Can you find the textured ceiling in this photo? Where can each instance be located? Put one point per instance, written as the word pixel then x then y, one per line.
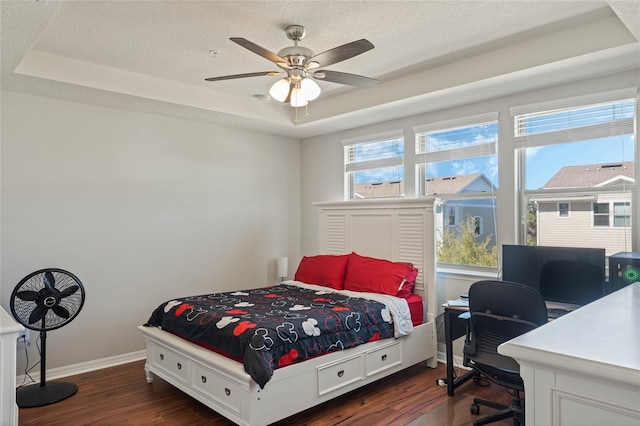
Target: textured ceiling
pixel 153 56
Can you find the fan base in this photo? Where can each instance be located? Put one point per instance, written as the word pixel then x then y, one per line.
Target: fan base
pixel 37 395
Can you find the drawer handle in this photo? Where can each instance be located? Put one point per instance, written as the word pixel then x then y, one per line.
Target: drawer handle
pixel 179 366
pixel 204 379
pixel 161 356
pixel 384 357
pixel 340 373
pixel 227 391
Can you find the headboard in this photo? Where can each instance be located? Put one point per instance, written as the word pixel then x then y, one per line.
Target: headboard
pixel 397 230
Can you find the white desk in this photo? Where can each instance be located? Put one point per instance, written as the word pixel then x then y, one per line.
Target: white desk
pixel 584 368
pixel 9 332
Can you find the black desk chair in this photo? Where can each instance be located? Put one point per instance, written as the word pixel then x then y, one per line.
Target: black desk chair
pixel 500 311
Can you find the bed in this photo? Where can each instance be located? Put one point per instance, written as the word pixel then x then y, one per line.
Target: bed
pixel 403 234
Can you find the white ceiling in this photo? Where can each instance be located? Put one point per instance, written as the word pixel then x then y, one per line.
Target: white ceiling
pixel 153 56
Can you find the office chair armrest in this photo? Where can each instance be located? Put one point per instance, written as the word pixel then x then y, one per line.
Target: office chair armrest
pixel 469 347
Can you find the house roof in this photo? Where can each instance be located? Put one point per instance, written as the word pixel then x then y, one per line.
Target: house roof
pixel 458 184
pixel 592 175
pixel 385 189
pixel 154 56
pixel 475 182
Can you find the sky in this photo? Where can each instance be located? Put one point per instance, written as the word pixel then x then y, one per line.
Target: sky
pixel 542 162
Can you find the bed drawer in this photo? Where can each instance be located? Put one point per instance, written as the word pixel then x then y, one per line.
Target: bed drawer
pixel 383 358
pixel 171 362
pixel 336 375
pixel 216 387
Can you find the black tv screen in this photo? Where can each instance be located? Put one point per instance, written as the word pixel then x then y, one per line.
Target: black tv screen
pixel 561 274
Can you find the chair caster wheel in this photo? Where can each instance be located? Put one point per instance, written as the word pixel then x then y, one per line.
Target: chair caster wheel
pixel 474 408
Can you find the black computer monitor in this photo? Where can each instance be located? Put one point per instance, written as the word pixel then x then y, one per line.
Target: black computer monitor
pixel 573 275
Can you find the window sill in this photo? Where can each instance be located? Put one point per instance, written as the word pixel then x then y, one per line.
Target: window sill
pixel 452 271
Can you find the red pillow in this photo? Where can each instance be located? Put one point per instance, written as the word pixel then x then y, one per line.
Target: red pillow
pixel 406 288
pixel 379 276
pixel 325 269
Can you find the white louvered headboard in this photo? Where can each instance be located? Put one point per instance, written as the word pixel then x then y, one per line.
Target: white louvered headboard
pixel 397 230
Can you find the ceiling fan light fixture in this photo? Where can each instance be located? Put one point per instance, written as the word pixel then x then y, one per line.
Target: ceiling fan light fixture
pixel 297 97
pixel 280 90
pixel 310 89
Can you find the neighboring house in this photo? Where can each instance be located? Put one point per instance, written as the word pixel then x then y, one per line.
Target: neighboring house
pixel 453 213
pixel 580 220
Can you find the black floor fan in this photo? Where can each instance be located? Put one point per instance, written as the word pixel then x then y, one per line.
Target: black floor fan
pixel 43 301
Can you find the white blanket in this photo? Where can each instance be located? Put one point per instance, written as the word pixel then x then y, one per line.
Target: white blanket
pixel 397 306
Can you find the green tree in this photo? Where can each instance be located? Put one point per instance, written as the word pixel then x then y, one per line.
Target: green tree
pixel 532 223
pixel 462 247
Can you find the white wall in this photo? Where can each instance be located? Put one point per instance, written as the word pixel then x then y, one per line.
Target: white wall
pixel 141 208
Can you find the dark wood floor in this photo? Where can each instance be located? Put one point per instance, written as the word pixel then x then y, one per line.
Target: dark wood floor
pixel 121 396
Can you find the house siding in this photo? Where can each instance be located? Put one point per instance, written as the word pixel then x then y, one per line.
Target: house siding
pixel 577 230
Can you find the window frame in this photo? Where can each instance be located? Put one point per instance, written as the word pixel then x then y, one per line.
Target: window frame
pixel 568 210
pixel 602 215
pixel 351 168
pixel 423 158
pixel 626 216
pixel 624 126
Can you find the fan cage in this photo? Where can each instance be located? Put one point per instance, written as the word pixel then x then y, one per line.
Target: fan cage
pixel 22 309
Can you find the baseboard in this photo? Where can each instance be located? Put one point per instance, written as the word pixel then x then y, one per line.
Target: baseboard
pixel 85 367
pixel 457 360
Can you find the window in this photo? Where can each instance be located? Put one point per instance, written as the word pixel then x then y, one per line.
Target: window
pixel 600 214
pixel 563 209
pixel 477 226
pixel 457 162
pixel 575 158
pixel 374 166
pixel 451 217
pixel 622 214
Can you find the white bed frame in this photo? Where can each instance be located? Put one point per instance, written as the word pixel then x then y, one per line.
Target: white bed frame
pixel 391 229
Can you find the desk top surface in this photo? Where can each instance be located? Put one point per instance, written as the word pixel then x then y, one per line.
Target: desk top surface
pixel 604 333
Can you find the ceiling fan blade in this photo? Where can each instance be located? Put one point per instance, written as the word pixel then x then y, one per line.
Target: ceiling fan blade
pixel 345 78
pixel 267 54
pixel 343 52
pixel 250 74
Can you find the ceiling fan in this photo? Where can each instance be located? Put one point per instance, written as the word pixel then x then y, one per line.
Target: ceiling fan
pixel 300 66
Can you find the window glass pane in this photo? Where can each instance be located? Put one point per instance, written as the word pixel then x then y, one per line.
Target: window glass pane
pixel 600 214
pixel 458 138
pixel 379 183
pixel 622 221
pixel 580 164
pixel 601 208
pixel 563 209
pixel 622 214
pixel 601 220
pixel 471 241
pixel 477 174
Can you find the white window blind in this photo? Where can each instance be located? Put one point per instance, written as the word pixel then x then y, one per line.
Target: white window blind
pixel 456 139
pixel 374 152
pixel 564 125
